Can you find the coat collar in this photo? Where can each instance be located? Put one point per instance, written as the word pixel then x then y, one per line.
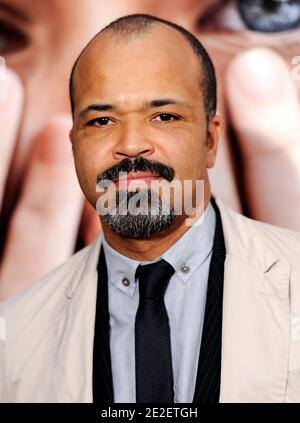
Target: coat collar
pixel 255 331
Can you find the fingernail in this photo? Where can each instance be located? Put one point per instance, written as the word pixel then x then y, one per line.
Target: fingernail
pixel 3 80
pixel 2 68
pixel 10 87
pixel 260 74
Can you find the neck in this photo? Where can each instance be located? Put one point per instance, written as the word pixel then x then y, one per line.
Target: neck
pixel 149 249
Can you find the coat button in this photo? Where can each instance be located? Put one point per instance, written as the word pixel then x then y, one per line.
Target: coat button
pixel 125 281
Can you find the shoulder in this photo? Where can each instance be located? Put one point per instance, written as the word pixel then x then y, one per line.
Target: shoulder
pixel 255 236
pixel 284 241
pixel 29 320
pixel 40 298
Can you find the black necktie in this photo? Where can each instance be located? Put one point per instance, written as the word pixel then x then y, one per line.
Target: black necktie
pixel 153 360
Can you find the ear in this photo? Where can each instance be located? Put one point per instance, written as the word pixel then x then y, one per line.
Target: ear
pixel 214 130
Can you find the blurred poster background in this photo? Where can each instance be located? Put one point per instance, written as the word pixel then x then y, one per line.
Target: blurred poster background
pixel 255 46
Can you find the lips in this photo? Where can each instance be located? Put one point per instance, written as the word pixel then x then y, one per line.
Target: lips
pixel 134 176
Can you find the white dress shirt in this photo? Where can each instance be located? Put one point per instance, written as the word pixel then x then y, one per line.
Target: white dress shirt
pixel 184 298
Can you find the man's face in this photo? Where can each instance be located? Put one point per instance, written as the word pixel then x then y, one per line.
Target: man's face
pixel 151 107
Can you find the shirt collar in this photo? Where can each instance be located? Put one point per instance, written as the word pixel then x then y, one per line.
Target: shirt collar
pixel 193 247
pixel 185 255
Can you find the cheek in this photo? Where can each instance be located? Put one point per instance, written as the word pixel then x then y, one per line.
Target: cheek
pixel 188 158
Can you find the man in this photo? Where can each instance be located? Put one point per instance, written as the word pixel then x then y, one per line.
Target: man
pixel 255 49
pixel 156 310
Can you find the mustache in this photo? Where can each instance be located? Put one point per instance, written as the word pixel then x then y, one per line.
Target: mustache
pixel 138 164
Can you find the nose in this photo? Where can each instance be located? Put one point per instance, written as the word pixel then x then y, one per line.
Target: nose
pixel 132 141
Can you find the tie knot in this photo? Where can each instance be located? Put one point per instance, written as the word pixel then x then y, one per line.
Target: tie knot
pixel 153 279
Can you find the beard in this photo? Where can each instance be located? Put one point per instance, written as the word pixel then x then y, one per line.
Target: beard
pixel 139 215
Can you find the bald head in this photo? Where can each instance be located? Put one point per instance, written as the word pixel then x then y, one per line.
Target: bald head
pixel 136 26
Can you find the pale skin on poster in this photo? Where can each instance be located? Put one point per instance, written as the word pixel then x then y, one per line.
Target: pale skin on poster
pixel 37 162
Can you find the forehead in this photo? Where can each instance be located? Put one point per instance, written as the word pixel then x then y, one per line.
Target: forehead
pixel 159 62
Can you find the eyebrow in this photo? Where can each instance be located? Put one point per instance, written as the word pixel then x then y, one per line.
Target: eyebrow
pixel 164 102
pixel 14 11
pixel 160 102
pixel 98 107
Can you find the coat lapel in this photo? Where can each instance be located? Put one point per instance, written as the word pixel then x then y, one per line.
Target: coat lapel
pixel 207 387
pixel 74 332
pixel 256 323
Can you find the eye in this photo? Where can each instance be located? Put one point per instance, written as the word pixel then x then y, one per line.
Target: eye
pixel 11 39
pixel 165 117
pixel 100 121
pixel 271 15
pixel 268 16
